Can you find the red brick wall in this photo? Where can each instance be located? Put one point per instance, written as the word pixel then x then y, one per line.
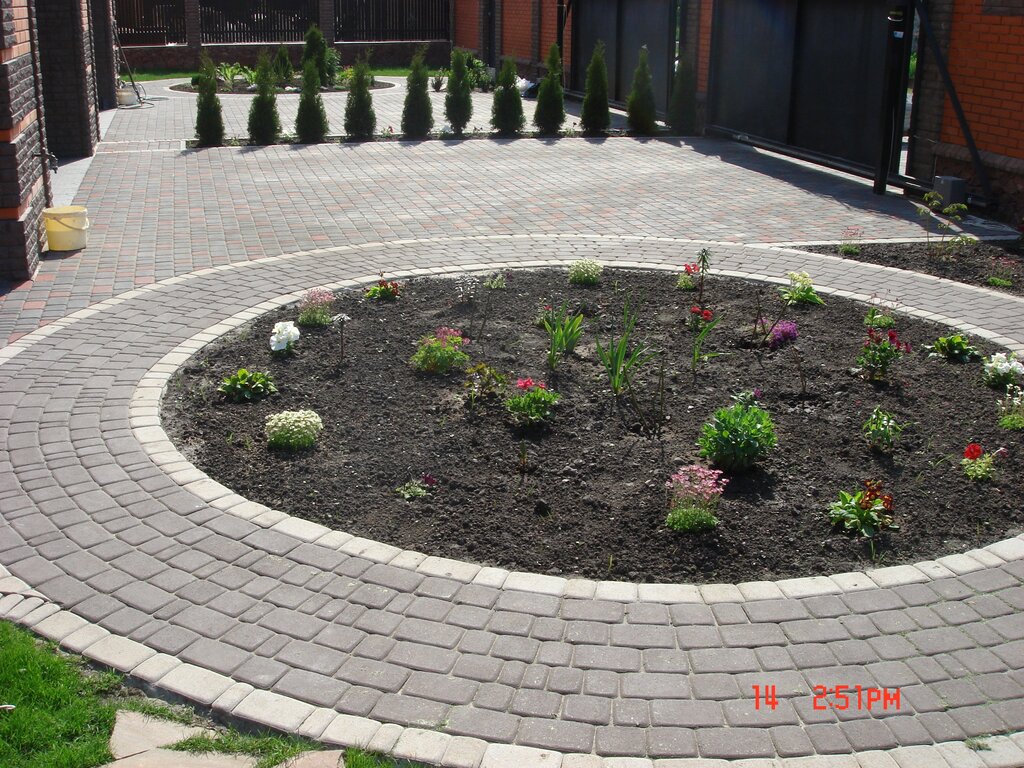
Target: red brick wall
pixel 707 9
pixel 517 29
pixel 467 24
pixel 549 32
pixel 986 60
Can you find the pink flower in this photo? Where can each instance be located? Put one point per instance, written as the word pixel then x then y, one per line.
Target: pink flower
pixel 526 383
pixel 428 480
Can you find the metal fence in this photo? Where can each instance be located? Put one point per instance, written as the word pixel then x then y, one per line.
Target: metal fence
pixel 150 22
pixel 264 21
pixel 392 20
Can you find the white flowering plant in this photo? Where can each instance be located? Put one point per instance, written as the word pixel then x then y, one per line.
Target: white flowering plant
pixel 800 290
pixel 284 336
pixel 293 430
pixel 1011 409
pixel 585 272
pixel 1000 370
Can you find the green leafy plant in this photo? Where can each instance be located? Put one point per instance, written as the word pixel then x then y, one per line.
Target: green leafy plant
pixel 879 318
pixel 953 213
pixel 978 465
pixel 550 112
pixel 437 80
pixel 640 108
pixel 737 437
pixel 417 114
pixel 955 348
pixel 209 116
pixel 882 430
pixel 283 71
pixel 694 492
pixel 999 282
pixel 228 72
pixel 507 109
pixel 595 116
pixel 441 352
pixel 416 489
pixel 311 119
pixel 879 353
pixel 866 512
pixel 564 332
pixel 360 118
pixel 246 386
pixel 533 403
pixel 585 272
pixel 496 282
pixel 458 102
pixel 618 360
pixel 482 383
pixel 685 280
pixel 1011 409
pixel 264 121
pixel 682 108
pixel 293 430
pixel 800 290
pixel 699 355
pixel 383 290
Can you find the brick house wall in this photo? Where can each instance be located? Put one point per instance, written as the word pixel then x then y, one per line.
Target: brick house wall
pixel 524 30
pixel 986 59
pixel 23 180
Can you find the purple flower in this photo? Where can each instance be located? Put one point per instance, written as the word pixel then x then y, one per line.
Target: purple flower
pixel 783 332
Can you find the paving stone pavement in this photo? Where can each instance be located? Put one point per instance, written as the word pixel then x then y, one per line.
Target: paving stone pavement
pixel 114 545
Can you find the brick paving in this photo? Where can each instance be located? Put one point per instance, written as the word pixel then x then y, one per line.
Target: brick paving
pixel 114 545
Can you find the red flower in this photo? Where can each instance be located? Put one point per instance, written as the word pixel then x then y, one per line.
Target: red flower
pixel 973 451
pixel 691 269
pixel 526 383
pixel 706 315
pixel 695 310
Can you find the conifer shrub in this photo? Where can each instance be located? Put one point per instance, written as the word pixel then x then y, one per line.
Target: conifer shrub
pixel 316 50
pixel 640 110
pixel 417 114
pixel 595 117
pixel 682 109
pixel 507 111
pixel 311 120
pixel 550 112
pixel 458 103
pixel 264 122
pixel 283 70
pixel 360 119
pixel 209 118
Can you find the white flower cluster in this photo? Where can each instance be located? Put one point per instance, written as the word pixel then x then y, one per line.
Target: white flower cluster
pixel 1001 369
pixel 585 272
pixel 293 429
pixel 285 334
pixel 1014 402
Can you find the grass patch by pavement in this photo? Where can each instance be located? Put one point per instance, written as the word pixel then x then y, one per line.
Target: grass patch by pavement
pixel 357 758
pixel 60 717
pixel 268 749
pixel 146 75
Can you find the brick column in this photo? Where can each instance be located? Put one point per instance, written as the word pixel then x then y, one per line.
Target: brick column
pixel 103 45
pixel 325 8
pixel 23 180
pixel 929 94
pixel 193 27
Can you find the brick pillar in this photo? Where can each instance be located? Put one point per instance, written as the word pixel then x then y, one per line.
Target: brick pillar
pixel 325 9
pixel 193 27
pixel 23 178
pixel 69 77
pixel 103 45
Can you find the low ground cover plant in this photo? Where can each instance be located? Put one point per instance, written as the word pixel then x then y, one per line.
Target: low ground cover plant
pixel 293 430
pixel 800 290
pixel 441 352
pixel 585 272
pixel 879 353
pixel 1011 408
pixel 879 318
pixel 483 382
pixel 956 348
pixel 246 386
pixel 383 290
pixel 533 402
pixel 867 512
pixel 623 356
pixel 564 331
pixel 694 492
pixel 1001 369
pixel 315 307
pixel 882 430
pixel 737 437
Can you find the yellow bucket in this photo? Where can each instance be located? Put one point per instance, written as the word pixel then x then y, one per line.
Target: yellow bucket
pixel 67 227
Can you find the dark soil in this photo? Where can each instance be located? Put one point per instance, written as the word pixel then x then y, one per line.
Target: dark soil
pixel 973 264
pixel 592 501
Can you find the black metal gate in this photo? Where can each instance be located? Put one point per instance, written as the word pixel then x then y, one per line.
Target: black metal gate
pixel 625 26
pixel 809 74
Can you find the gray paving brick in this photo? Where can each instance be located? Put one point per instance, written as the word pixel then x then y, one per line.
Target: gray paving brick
pixel 293 624
pixel 373 674
pixel 448 690
pixel 425 658
pixel 408 710
pixel 643 636
pixel 613 659
pixel 647 613
pixel 593 610
pixel 752 635
pixel 428 632
pixel 561 735
pixel 519 648
pixel 259 672
pixel 314 688
pixel 688 714
pixel 733 743
pixel 618 740
pixel 587 632
pixel 482 724
pixel 535 703
pixel 311 657
pixel 494 696
pixel 699 637
pixel 723 660
pixel 791 741
pixel 564 680
pixel 211 654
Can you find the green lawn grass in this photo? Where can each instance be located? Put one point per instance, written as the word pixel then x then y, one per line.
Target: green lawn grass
pixel 357 758
pixel 59 718
pixel 269 749
pixel 146 75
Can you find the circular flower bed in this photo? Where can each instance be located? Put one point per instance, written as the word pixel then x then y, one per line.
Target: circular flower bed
pixel 646 427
